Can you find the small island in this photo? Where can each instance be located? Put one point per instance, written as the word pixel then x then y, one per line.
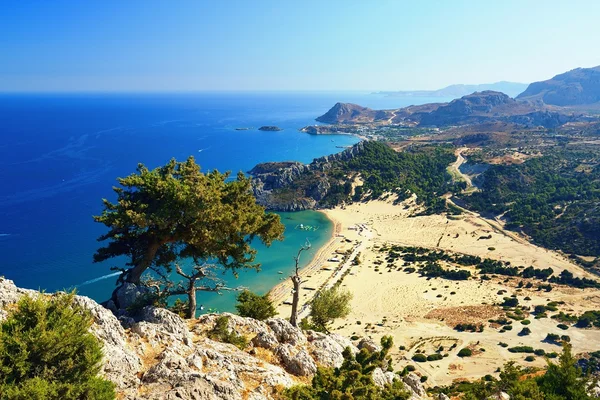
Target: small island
pixel 270 128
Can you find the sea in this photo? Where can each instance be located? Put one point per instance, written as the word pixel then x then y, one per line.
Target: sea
pixel 60 155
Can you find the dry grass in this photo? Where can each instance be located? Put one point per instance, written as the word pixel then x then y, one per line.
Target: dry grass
pixel 464 314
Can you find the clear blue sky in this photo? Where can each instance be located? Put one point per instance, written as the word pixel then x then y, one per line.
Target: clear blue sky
pixel 134 45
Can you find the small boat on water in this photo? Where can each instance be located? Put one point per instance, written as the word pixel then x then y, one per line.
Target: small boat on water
pixel 310 228
pixel 280 272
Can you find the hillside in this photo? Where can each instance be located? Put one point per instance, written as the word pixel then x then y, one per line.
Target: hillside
pixel 475 108
pixel 576 87
pixel 348 112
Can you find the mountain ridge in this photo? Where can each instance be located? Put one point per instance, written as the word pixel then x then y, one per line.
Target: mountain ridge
pixel 576 87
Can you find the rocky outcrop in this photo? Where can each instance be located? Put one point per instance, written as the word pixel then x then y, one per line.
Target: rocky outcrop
pixel 160 356
pixel 273 183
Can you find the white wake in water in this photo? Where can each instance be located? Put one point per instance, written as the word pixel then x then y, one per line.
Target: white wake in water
pixel 99 279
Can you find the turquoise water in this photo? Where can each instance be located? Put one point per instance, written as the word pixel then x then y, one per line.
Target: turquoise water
pixel 277 258
pixel 61 154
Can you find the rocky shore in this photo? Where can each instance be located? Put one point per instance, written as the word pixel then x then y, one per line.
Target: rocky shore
pixel 273 181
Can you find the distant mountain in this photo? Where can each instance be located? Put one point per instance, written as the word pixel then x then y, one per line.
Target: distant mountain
pixel 576 87
pixel 510 88
pixel 475 108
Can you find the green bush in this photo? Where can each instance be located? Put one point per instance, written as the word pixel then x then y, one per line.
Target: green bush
pixel 434 357
pixel 525 322
pixel 530 358
pixel 521 349
pixel 254 306
pixel 419 357
pixel 47 352
pixel 525 331
pixel 222 333
pixel 353 379
pixel 563 327
pixel 465 352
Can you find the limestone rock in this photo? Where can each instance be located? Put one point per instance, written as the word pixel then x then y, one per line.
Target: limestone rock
pixel 327 350
pixel 159 326
pixel 296 362
pixel 414 383
pixel 120 362
pixel 369 344
pixel 382 378
pixel 286 332
pixel 128 294
pixel 266 340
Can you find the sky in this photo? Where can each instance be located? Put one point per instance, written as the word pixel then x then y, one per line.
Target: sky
pixel 328 45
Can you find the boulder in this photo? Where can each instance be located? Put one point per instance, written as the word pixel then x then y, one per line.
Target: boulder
pixel 266 340
pixel 296 362
pixel 327 350
pixel 369 344
pixel 128 295
pixel 382 378
pixel 286 332
pixel 413 382
pixel 161 326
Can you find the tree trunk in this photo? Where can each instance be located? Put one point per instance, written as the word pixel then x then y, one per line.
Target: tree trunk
pixel 296 299
pixel 192 302
pixel 134 274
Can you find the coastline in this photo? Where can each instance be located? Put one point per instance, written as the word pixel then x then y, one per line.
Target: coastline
pixel 280 292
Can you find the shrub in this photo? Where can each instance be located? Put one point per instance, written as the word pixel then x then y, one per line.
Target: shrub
pixel 521 349
pixel 423 379
pixel 530 358
pixel 539 352
pixel 47 352
pixel 329 305
pixel 434 357
pixel 465 352
pixel 254 306
pixel 411 368
pixel 510 302
pixel 525 322
pixel 353 379
pixel 525 331
pixel 419 358
pixel 563 327
pixel 222 333
pixel 502 344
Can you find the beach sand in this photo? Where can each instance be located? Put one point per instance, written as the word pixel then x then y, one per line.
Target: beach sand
pixel 420 313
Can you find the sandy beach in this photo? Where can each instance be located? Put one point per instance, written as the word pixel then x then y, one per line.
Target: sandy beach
pixel 421 313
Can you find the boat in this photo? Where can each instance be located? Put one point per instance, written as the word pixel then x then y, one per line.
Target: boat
pixel 309 228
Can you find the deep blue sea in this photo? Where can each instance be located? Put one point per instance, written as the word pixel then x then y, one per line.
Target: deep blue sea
pixel 61 154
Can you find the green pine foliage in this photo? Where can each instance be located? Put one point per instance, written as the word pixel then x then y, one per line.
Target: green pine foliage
pixel 329 305
pixel 254 306
pixel 47 352
pixel 222 333
pixel 353 380
pixel 176 212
